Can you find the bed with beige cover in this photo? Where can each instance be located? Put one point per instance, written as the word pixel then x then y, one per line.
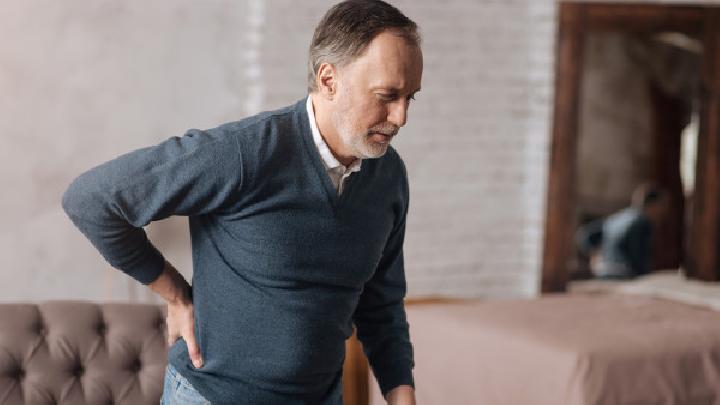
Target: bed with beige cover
pixel 576 349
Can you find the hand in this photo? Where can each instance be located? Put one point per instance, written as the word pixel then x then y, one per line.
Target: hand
pixel 180 315
pixel 181 323
pixel 401 395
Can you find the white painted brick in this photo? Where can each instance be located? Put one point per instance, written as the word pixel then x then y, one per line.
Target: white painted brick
pixel 476 143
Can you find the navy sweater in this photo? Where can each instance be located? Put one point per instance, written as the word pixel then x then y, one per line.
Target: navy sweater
pixel 282 265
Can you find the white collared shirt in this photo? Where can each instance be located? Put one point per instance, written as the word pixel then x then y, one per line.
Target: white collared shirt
pixel 337 172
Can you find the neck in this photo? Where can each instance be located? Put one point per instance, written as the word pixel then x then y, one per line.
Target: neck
pixel 323 119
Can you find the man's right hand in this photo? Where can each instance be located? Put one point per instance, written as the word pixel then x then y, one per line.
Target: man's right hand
pixel 180 323
pixel 180 315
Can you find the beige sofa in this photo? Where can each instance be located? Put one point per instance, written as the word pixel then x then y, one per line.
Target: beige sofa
pixel 65 352
pixel 75 353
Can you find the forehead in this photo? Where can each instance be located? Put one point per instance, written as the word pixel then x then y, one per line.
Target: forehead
pixel 389 61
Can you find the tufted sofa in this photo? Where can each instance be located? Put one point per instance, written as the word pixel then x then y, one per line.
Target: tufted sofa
pixel 76 353
pixel 67 352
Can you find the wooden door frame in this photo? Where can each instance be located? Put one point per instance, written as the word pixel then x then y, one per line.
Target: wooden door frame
pixel 575 21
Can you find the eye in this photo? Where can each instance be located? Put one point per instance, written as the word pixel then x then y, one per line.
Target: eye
pixel 386 97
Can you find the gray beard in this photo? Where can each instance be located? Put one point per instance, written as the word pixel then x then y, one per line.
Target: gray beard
pixel 366 149
pixel 359 144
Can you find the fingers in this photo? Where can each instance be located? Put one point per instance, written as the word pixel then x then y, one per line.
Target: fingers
pixel 180 324
pixel 172 335
pixel 171 339
pixel 193 349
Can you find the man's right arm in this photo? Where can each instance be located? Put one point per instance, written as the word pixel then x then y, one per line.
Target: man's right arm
pixel 110 204
pixel 195 174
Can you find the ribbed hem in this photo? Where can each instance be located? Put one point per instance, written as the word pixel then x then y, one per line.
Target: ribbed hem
pixel 394 378
pixel 150 268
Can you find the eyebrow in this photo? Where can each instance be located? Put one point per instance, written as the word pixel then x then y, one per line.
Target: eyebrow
pixel 394 89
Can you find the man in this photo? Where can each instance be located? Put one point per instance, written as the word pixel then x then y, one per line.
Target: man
pixel 297 220
pixel 620 246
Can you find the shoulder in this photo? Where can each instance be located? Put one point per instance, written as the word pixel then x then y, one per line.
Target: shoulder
pixel 261 123
pixel 396 160
pixel 260 120
pixel 636 217
pixel 258 135
pixel 400 169
pixel 389 168
pixel 391 164
pixel 625 216
pixel 390 171
pixel 262 140
pixel 631 221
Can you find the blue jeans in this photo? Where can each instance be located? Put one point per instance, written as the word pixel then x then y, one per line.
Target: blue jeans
pixel 178 391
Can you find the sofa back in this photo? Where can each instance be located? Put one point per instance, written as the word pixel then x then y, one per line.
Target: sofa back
pixel 73 352
pixel 78 352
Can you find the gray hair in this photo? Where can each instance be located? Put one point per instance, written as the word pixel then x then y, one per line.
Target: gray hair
pixel 347 29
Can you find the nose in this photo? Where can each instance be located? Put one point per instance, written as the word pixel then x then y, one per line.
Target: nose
pixel 397 113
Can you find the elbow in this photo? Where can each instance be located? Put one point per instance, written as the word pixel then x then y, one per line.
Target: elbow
pixel 75 199
pixel 69 199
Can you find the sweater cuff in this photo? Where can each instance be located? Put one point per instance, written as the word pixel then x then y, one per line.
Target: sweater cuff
pixel 149 268
pixel 389 379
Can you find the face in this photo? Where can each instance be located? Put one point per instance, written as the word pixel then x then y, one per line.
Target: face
pixel 657 210
pixel 373 95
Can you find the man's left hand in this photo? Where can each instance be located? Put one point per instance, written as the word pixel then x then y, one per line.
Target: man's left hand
pixel 401 395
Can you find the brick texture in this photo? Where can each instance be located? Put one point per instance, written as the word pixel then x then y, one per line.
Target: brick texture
pixel 93 79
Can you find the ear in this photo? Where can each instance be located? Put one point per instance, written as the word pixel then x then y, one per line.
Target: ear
pixel 327 79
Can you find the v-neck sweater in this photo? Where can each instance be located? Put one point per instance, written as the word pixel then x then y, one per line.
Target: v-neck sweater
pixel 283 266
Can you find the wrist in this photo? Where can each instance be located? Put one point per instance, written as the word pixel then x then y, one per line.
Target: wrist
pixel 172 287
pixel 182 296
pixel 401 395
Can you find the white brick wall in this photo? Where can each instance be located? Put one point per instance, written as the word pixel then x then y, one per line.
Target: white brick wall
pixel 475 144
pixel 85 81
pixel 476 147
pixel 93 79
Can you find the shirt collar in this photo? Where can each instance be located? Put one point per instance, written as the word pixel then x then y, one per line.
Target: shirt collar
pixel 327 157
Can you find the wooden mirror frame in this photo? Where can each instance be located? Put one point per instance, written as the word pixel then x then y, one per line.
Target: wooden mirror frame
pixel 575 21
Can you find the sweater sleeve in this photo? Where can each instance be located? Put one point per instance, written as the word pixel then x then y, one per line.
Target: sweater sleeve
pixel 189 175
pixel 380 316
pixel 637 246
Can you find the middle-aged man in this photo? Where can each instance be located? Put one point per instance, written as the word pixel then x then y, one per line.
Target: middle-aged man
pixel 620 246
pixel 297 220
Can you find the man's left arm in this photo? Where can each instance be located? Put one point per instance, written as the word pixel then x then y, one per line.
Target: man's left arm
pixel 381 322
pixel 639 247
pixel 401 395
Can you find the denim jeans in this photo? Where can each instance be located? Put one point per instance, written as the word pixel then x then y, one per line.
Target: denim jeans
pixel 178 391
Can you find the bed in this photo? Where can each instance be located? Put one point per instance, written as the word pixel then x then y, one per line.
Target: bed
pixel 574 349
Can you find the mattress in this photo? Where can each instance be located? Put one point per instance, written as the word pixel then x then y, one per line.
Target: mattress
pixel 566 349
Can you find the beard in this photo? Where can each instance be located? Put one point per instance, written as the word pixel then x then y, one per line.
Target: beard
pixel 359 140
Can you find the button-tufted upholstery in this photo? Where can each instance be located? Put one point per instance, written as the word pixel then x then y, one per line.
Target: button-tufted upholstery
pixel 75 353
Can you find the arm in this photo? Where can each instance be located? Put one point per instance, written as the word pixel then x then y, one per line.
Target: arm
pixel 639 247
pixel 589 236
pixel 110 204
pixel 380 318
